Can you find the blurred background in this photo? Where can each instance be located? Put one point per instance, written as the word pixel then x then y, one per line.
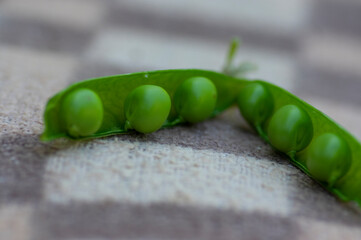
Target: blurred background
pixel 310 47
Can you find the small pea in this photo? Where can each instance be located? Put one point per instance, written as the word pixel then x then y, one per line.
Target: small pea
pixel 195 99
pixel 82 112
pixel 255 103
pixel 328 158
pixel 146 108
pixel 290 129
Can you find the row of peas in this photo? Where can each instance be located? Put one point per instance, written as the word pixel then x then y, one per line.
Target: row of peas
pixel 146 108
pixel 290 130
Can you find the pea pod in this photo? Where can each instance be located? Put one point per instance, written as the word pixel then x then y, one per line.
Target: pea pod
pixel 289 124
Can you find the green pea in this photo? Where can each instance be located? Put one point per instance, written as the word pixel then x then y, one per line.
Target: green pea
pixel 290 129
pixel 255 103
pixel 82 112
pixel 146 108
pixel 195 99
pixel 328 158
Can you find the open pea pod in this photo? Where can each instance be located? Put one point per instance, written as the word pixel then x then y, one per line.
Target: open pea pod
pixel 113 91
pixel 314 142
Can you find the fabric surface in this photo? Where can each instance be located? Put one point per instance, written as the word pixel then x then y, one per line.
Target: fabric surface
pixel 212 180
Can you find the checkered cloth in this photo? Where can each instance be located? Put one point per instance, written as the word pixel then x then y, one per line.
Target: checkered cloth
pixel 212 180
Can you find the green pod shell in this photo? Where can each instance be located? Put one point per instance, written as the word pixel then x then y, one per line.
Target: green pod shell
pixel 328 158
pixel 146 108
pixel 290 129
pixel 82 112
pixel 255 103
pixel 195 99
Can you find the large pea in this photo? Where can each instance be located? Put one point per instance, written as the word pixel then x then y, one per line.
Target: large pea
pixel 290 129
pixel 82 112
pixel 328 158
pixel 195 99
pixel 255 103
pixel 146 108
